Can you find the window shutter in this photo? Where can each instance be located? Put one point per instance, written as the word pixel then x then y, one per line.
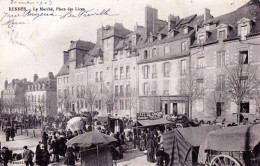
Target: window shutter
pixel 218 58
pixel 163 67
pixel 170 68
pixel 148 72
pixel 157 52
pixel 143 71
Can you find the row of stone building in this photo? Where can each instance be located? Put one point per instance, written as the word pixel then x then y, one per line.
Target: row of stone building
pixel 141 70
pixel 30 98
pixel 171 66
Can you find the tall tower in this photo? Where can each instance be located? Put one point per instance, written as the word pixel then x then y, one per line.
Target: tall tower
pixel 151 17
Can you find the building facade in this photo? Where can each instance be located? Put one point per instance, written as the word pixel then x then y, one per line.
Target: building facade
pixel 13 96
pixel 41 96
pixel 223 43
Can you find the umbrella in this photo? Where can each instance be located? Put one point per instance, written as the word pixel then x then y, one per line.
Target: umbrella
pixel 90 138
pixel 76 123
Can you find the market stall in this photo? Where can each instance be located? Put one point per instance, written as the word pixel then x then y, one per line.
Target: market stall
pixel 182 144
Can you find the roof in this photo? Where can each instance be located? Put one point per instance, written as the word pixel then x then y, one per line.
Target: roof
pixel 80 44
pixel 96 51
pixel 251 10
pixel 237 138
pixel 161 121
pixel 117 30
pixel 44 79
pixel 64 69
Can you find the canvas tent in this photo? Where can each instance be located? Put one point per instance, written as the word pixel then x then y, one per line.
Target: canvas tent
pixel 182 144
pixel 145 123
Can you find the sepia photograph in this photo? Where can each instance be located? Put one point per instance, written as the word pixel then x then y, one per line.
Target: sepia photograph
pixel 130 83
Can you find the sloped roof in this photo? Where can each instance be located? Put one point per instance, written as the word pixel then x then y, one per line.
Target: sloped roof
pixel 96 51
pixel 80 44
pixel 64 69
pixel 251 10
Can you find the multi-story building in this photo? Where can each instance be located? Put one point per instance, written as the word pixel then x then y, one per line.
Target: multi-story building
pixel 13 95
pixel 221 43
pixel 164 60
pixel 41 96
pixel 108 69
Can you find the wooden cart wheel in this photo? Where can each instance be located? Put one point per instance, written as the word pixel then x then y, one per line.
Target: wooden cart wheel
pixel 224 160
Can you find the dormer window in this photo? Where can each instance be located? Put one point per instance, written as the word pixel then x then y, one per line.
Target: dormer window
pixel 201 39
pixel 222 34
pixel 185 30
pixel 145 54
pixel 243 31
pixel 134 40
pixel 244 27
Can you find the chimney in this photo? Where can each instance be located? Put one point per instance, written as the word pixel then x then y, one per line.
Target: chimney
pixel 50 75
pixel 172 20
pixel 151 17
pixel 35 77
pixel 100 36
pixel 24 80
pixel 65 56
pixel 6 84
pixel 207 15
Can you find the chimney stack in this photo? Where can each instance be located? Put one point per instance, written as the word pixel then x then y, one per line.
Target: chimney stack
pixel 65 56
pixel 50 75
pixel 6 84
pixel 207 15
pixel 35 77
pixel 172 21
pixel 151 17
pixel 24 80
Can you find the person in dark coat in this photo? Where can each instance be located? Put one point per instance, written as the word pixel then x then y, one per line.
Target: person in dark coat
pixel 69 157
pixel 7 134
pixel 151 148
pixel 55 149
pixel 28 156
pixel 38 147
pixel 142 141
pixel 43 156
pixel 69 134
pixel 5 155
pixel 12 132
pixel 45 139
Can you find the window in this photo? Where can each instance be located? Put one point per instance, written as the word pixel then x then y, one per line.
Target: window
pixel 154 87
pixel 154 71
pixel 166 50
pixel 107 43
pixel 244 31
pixel 146 71
pixel 145 54
pixel 221 58
pixel 166 69
pixel 183 67
pixel 128 90
pixel 183 46
pixel 244 107
pixel 97 76
pixel 121 54
pixel 185 30
pixel 64 80
pixel 243 57
pixel 99 104
pixel 200 62
pixel 101 76
pixel 222 34
pixel 146 88
pixel 121 91
pixel 200 83
pixel 201 40
pixel 121 105
pixel 127 72
pixel 154 52
pixel 116 73
pixel 220 108
pixel 72 90
pixel 116 91
pixel 67 79
pixel 134 40
pixel 166 87
pixel 121 72
pixel 220 82
pixel 96 104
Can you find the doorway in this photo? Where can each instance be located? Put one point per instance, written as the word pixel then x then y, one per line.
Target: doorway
pixel 220 108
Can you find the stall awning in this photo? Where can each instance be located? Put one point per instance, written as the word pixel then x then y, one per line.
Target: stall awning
pixel 143 123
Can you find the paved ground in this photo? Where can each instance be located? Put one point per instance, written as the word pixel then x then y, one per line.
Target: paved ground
pixel 131 158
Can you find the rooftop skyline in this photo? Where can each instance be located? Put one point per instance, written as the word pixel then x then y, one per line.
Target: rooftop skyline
pixel 38 47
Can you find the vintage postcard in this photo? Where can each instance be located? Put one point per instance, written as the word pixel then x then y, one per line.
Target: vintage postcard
pixel 123 82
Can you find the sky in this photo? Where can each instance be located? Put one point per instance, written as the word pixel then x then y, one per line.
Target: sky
pixel 36 46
